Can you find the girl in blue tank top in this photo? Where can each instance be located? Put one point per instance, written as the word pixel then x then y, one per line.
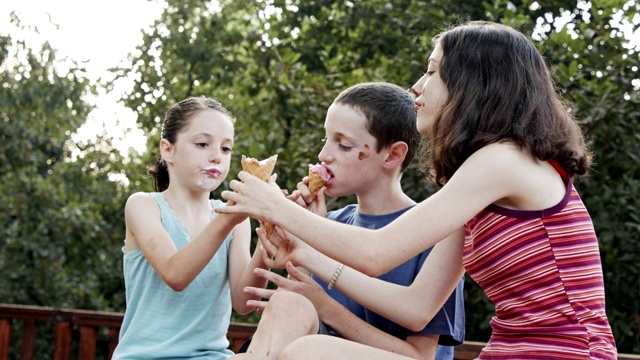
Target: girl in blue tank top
pixel 184 265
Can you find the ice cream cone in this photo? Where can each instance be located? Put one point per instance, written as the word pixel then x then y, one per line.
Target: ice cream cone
pixel 263 170
pixel 315 183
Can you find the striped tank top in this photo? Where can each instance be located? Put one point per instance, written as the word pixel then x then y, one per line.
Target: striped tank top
pixel 542 271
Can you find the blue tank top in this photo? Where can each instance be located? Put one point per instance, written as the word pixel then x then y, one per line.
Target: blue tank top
pixel 160 323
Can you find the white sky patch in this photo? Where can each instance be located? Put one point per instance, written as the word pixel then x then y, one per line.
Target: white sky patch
pixel 98 35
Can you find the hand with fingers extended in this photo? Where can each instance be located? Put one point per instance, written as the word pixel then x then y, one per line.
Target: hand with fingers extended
pixel 281 247
pixel 299 281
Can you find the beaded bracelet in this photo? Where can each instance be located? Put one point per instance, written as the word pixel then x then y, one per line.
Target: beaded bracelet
pixel 335 277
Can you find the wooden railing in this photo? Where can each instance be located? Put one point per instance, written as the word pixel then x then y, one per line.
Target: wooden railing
pixel 78 330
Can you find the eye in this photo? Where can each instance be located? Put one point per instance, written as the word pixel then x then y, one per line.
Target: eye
pixel 345 147
pixel 202 145
pixel 226 149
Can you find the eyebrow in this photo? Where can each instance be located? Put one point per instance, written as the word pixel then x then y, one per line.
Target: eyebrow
pixel 209 136
pixel 341 135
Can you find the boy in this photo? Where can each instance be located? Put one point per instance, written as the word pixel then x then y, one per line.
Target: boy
pixel 371 138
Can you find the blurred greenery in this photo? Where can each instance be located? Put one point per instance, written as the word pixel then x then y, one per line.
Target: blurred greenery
pixel 277 65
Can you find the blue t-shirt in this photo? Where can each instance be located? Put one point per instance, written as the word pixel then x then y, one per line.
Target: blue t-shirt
pixel 160 323
pixel 449 322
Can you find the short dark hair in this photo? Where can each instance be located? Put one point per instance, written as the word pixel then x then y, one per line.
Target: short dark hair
pixel 390 114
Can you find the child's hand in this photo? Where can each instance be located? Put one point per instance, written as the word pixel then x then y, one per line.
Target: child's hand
pixel 252 197
pixel 303 197
pixel 298 281
pixel 233 218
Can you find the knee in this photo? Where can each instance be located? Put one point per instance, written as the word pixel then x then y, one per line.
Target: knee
pixel 290 302
pixel 302 347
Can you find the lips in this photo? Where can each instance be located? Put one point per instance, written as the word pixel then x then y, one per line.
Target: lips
pixel 214 172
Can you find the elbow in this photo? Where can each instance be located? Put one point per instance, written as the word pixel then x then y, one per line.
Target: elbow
pixel 242 310
pixel 175 284
pixel 239 304
pixel 418 321
pixel 374 266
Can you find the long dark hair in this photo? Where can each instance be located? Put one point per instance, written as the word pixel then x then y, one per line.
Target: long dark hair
pixel 500 89
pixel 175 120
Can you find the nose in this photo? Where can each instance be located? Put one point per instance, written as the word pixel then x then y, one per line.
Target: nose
pixel 324 155
pixel 416 89
pixel 215 155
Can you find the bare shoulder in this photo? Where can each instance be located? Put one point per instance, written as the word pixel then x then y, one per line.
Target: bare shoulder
pixel 502 159
pixel 139 204
pixel 526 183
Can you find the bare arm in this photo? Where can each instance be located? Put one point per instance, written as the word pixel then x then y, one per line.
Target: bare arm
pixel 426 292
pixel 343 321
pixel 177 268
pixel 241 265
pixel 481 180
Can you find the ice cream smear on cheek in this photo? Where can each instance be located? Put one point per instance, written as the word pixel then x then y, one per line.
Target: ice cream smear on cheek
pixel 213 172
pixel 364 154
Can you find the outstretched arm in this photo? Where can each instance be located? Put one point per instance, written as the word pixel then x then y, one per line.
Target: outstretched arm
pixel 487 176
pixel 241 265
pixel 427 291
pixel 177 268
pixel 343 321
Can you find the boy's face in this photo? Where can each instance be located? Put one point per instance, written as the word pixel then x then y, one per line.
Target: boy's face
pixel 349 152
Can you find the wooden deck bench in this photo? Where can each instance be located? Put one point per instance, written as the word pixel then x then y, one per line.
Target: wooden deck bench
pixel 79 329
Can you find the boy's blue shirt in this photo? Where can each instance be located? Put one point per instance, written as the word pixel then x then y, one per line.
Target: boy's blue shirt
pixel 449 322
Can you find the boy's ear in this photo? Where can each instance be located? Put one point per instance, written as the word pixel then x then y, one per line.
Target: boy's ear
pixel 396 154
pixel 166 150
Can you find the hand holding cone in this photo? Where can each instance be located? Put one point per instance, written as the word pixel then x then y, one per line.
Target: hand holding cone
pixel 318 175
pixel 263 170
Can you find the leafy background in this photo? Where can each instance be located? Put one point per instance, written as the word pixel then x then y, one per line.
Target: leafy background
pixel 277 64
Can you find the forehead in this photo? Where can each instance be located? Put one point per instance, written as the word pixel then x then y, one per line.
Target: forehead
pixel 346 120
pixel 436 55
pixel 210 121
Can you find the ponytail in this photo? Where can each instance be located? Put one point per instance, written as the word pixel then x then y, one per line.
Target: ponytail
pixel 160 175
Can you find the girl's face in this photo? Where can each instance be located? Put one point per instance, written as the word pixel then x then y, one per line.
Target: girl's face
pixel 431 93
pixel 201 155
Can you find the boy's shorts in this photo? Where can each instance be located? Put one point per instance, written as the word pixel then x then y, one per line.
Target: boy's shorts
pixel 322 330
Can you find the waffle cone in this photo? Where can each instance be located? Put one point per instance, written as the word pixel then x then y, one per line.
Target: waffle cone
pixel 263 170
pixel 315 183
pixel 269 228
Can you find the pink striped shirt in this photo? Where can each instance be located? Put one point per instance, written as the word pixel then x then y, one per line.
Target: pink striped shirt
pixel 542 271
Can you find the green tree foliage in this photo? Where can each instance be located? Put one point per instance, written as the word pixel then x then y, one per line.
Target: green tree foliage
pixel 57 236
pixel 277 64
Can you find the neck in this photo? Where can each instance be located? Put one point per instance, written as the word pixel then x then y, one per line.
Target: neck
pixel 385 199
pixel 186 202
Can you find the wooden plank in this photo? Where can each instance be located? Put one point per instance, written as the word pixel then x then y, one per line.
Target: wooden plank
pixel 114 337
pixel 62 347
pixel 28 342
pixel 87 346
pixel 469 350
pixel 88 340
pixel 5 338
pixel 628 357
pixel 238 333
